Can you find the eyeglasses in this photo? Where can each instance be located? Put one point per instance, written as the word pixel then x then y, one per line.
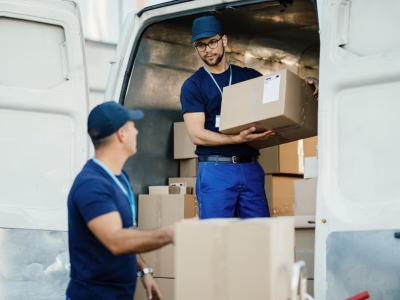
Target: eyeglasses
pixel 212 44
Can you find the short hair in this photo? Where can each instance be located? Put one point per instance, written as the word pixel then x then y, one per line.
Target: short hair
pixel 103 142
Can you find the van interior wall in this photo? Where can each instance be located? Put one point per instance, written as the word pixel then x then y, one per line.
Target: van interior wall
pixel 260 36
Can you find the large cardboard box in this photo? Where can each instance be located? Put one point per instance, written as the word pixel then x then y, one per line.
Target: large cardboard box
pixel 305 197
pixel 189 167
pixel 166 286
pixel 280 195
pixel 305 248
pixel 282 102
pixel 156 211
pixel 288 158
pixel 188 181
pixel 212 255
pixel 183 146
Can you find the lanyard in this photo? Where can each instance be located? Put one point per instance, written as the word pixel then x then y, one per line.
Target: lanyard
pixel 129 194
pixel 212 77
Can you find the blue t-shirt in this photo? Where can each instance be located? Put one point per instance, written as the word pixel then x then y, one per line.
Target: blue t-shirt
pixel 200 94
pixel 95 272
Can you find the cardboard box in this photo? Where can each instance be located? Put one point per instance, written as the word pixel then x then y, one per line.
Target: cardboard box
pixel 280 195
pixel 156 190
pixel 310 287
pixel 305 248
pixel 156 211
pixel 187 181
pixel 305 197
pixel 189 167
pixel 311 167
pixel 288 158
pixel 183 146
pixel 282 102
pixel 166 286
pixel 182 190
pixel 211 255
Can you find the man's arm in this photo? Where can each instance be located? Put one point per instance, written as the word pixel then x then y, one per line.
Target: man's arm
pixel 108 229
pixel 148 281
pixel 200 136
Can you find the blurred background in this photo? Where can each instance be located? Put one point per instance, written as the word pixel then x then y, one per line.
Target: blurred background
pixel 102 23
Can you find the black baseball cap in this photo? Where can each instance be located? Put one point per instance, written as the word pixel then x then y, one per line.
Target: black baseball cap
pixel 205 27
pixel 106 118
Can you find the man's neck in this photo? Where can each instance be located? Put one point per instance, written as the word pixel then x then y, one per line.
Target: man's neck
pixel 218 69
pixel 114 162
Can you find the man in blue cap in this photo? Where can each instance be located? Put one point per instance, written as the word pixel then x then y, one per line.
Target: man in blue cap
pixel 230 181
pixel 103 244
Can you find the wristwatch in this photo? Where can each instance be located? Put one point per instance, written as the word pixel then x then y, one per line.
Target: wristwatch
pixel 147 270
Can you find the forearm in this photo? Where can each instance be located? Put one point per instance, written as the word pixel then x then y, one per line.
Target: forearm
pixel 127 241
pixel 140 261
pixel 206 137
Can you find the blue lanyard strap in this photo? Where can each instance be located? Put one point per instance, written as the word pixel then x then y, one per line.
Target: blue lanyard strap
pixel 212 77
pixel 129 194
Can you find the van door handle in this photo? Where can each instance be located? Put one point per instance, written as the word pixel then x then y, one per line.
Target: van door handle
pixel 64 58
pixel 343 23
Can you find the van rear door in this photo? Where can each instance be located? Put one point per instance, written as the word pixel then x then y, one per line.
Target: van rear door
pixel 358 202
pixel 43 111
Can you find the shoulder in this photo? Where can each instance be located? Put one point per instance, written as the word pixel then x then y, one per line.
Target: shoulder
pixel 194 80
pixel 90 180
pixel 248 73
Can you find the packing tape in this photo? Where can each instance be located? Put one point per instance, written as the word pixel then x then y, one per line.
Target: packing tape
pixel 219 261
pixel 159 217
pixel 283 210
pixel 300 155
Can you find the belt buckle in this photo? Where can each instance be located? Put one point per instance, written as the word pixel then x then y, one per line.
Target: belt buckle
pixel 234 159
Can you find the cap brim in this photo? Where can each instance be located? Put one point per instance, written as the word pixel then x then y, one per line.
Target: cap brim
pixel 203 35
pixel 135 115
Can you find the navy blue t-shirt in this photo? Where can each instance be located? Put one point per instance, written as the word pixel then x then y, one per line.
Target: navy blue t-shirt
pixel 95 272
pixel 200 94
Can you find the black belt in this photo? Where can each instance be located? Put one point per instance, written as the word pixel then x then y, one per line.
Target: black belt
pixel 231 159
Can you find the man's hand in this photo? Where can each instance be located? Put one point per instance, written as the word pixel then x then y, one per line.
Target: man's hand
pixel 151 287
pixel 248 135
pixel 315 83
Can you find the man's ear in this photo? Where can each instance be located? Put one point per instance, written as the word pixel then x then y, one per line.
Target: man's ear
pixel 225 40
pixel 121 134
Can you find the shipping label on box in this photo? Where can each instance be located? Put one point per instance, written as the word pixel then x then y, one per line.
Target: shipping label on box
pixel 311 167
pixel 282 102
pixel 183 145
pixel 213 249
pixel 156 211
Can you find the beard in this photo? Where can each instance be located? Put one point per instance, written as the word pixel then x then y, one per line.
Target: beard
pixel 217 61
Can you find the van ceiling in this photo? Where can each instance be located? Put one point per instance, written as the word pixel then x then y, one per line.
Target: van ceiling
pixel 261 36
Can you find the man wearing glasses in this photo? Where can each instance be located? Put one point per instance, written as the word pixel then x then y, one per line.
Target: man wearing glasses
pixel 230 181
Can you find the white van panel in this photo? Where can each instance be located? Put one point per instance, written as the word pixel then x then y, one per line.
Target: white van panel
pixel 35 55
pixel 358 190
pixel 43 111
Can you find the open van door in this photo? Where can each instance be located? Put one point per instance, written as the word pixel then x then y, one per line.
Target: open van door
pixel 358 198
pixel 43 142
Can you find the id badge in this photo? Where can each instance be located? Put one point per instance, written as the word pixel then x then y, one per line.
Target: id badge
pixel 217 118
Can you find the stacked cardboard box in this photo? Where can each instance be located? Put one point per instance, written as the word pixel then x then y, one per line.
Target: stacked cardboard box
pixel 184 152
pixel 212 257
pixel 164 205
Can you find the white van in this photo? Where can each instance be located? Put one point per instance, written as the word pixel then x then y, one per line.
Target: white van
pixel 353 46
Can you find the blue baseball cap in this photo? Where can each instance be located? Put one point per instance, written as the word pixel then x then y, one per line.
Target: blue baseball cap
pixel 106 118
pixel 205 27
